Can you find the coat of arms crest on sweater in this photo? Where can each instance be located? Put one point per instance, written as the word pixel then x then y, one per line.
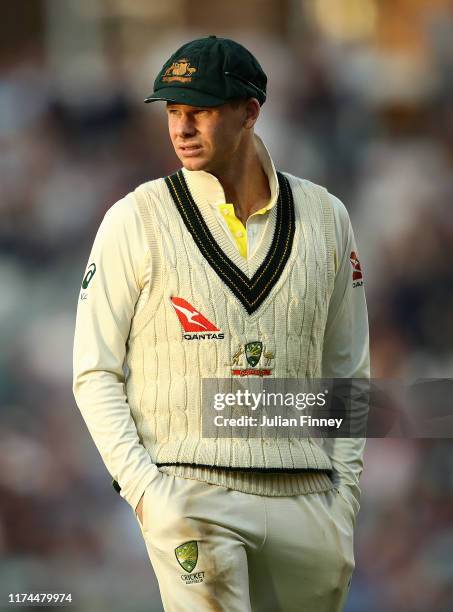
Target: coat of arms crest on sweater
pixel 253 353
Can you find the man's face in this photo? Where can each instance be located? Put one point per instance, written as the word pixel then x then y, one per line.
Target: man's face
pixel 205 138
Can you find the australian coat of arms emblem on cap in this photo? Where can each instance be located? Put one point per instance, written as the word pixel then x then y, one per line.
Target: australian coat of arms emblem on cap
pixel 180 70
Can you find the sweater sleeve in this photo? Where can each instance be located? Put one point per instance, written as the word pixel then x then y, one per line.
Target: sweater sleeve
pixel 107 299
pixel 346 344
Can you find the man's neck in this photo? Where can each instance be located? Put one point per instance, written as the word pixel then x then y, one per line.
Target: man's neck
pixel 245 182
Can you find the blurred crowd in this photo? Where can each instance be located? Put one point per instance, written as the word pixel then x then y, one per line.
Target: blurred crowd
pixel 355 104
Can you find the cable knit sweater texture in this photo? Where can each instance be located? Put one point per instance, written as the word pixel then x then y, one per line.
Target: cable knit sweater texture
pixel 137 380
pixel 164 384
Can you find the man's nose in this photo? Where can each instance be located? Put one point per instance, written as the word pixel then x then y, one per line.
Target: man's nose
pixel 185 127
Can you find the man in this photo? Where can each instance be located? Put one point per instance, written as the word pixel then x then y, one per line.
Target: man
pixel 187 274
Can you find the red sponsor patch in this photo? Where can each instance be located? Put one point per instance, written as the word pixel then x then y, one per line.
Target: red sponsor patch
pixel 252 372
pixel 190 318
pixel 356 268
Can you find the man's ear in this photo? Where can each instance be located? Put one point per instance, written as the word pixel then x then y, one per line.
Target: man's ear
pixel 252 111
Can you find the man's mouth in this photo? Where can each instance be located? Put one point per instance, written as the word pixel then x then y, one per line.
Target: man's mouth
pixel 190 150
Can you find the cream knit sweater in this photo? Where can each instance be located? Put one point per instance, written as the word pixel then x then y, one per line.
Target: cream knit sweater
pixel 159 379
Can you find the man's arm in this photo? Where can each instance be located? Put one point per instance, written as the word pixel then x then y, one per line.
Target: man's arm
pixel 346 345
pixel 107 301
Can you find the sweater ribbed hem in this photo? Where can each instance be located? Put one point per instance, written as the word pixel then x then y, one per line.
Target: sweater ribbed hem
pixel 273 484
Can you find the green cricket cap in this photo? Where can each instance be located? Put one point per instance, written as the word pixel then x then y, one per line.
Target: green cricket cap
pixel 208 72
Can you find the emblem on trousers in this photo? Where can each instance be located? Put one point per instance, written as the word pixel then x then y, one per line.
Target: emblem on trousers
pixel 187 555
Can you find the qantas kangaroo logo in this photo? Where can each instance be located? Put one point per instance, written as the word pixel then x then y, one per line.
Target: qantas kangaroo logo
pixel 193 322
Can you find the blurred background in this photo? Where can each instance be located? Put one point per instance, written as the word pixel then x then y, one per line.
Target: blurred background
pixel 361 101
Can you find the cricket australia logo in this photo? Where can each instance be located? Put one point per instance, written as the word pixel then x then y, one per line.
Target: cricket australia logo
pixel 253 353
pixel 187 557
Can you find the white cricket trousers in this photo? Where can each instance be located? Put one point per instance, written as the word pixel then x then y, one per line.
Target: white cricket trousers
pixel 215 549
